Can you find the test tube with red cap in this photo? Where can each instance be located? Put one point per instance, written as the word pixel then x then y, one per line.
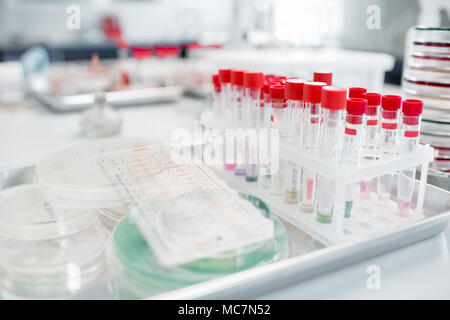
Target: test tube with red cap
pixel 354 117
pixel 371 125
pixel 356 92
pixel 237 99
pixel 351 144
pixel 266 121
pixel 294 97
pixel 278 119
pixel 237 92
pixel 267 100
pixel 390 106
pixel 370 136
pixel 333 103
pixel 310 141
pixel 409 139
pixel 215 96
pixel 253 83
pixel 279 108
pixel 323 76
pixel 225 92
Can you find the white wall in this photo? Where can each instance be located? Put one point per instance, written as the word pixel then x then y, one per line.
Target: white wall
pixel 142 21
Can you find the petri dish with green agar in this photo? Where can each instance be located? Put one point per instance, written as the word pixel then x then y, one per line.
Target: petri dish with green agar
pixel 138 274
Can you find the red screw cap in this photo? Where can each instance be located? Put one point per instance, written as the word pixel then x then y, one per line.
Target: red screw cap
pixel 237 77
pixel 326 77
pixel 268 84
pixel 356 106
pixel 277 91
pixel 391 102
pixel 225 75
pixel 373 99
pixel 253 80
pixel 312 91
pixel 294 89
pixel 356 92
pixel 412 107
pixel 333 97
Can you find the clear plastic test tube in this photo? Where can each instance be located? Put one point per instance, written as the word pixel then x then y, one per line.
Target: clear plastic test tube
pixel 279 116
pixel 311 130
pixel 253 82
pixel 294 96
pixel 279 108
pixel 351 144
pixel 409 139
pixel 333 104
pixel 390 105
pixel 237 118
pixel 237 93
pixel 266 122
pixel 225 92
pixel 370 137
pixel 215 96
pixel 267 116
pixel 295 105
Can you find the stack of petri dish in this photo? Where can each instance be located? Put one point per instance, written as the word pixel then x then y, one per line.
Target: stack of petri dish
pixel 52 240
pixel 70 235
pixel 137 273
pixel 426 76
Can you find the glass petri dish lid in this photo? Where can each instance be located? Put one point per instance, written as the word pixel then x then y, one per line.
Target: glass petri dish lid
pixel 25 215
pixel 427 88
pixel 72 177
pixel 432 34
pixel 437 129
pixel 427 76
pixel 52 268
pixel 436 62
pixel 139 275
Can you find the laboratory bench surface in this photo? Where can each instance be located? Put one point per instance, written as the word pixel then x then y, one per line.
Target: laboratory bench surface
pixel 418 271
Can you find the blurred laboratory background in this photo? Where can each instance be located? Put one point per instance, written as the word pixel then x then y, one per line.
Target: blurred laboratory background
pixel 72 70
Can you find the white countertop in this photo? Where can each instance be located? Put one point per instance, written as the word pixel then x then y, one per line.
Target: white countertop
pixel 418 271
pixel 421 270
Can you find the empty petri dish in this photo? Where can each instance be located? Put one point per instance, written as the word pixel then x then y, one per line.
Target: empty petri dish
pixel 72 176
pixel 25 215
pixel 138 274
pixel 52 268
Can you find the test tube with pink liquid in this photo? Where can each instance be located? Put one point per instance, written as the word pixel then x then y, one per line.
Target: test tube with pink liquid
pixel 409 139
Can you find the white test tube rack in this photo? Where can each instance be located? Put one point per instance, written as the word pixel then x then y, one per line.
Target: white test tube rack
pixel 369 217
